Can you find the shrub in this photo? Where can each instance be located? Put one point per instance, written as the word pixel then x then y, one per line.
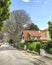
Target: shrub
pixel 34 46
pixel 30 47
pixel 43 46
pixel 38 47
pixel 31 41
pixel 47 47
pixel 22 43
pixel 50 50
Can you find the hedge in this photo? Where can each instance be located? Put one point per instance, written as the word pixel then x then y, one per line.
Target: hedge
pixel 31 45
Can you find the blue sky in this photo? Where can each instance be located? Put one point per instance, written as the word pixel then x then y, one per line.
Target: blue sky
pixel 40 11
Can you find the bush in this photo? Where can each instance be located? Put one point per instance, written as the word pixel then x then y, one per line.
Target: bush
pixel 22 43
pixel 34 46
pixel 38 46
pixel 50 50
pixel 30 47
pixel 43 46
pixel 47 47
pixel 31 41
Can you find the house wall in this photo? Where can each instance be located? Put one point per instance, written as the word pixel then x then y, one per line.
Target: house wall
pixel 35 37
pixel 45 35
pixel 26 36
pixel 48 36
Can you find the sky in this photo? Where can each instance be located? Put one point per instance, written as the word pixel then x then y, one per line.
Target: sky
pixel 40 11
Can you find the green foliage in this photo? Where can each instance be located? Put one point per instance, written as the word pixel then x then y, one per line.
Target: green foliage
pixel 34 46
pixel 50 28
pixel 31 45
pixel 30 41
pixel 22 43
pixel 43 46
pixel 47 47
pixel 38 46
pixel 33 27
pixel 50 50
pixel 10 41
pixel 4 11
pixel 50 42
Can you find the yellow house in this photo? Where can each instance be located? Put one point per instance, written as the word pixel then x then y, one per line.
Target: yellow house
pixel 45 35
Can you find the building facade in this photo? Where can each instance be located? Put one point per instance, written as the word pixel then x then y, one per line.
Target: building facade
pixel 36 35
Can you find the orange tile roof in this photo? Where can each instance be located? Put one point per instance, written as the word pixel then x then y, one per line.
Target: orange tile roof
pixel 32 33
pixel 28 33
pixel 35 33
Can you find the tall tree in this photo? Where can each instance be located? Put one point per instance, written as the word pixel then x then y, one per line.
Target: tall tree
pixel 33 27
pixel 20 16
pixel 50 28
pixel 14 30
pixel 4 11
pixel 14 26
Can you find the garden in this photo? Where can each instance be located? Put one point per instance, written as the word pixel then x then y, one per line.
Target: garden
pixel 47 47
pixel 36 45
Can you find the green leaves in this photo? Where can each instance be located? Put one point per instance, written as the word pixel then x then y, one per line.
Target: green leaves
pixel 50 28
pixel 4 11
pixel 33 27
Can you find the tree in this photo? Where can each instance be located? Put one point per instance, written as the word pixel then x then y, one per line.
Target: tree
pixel 50 28
pixel 33 27
pixel 4 11
pixel 14 30
pixel 14 26
pixel 20 16
pixel 1 35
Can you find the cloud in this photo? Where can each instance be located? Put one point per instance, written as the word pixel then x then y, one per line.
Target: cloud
pixel 26 0
pixel 37 1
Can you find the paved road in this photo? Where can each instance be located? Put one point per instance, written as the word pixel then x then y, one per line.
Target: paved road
pixel 39 59
pixel 11 56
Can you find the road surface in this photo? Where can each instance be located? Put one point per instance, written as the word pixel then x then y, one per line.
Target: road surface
pixel 12 56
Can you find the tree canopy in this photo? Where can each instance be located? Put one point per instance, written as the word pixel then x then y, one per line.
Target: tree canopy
pixel 20 16
pixel 33 27
pixel 14 26
pixel 50 28
pixel 4 11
